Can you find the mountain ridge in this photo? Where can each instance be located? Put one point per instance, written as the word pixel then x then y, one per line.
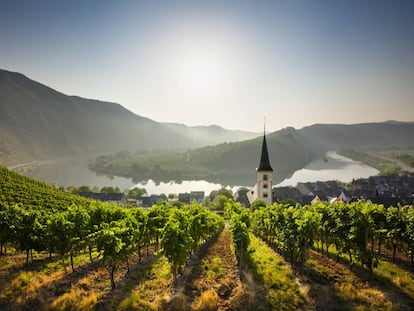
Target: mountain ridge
pixel 234 163
pixel 38 122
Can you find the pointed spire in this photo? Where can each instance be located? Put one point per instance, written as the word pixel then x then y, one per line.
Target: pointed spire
pixel 264 164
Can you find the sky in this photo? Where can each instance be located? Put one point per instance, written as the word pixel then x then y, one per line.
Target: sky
pixel 225 62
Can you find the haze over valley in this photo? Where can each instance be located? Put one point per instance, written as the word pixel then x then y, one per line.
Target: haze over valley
pixel 41 124
pixel 206 155
pixel 138 80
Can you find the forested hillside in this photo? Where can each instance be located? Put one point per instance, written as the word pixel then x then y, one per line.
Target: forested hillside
pixel 234 163
pixel 39 122
pixel 225 163
pixel 364 135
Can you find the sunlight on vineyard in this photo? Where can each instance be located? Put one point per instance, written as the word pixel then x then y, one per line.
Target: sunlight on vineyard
pixel 61 251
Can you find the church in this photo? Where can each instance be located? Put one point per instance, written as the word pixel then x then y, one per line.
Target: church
pixel 262 190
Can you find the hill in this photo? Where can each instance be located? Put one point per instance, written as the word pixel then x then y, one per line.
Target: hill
pixel 227 163
pixel 37 122
pixel 209 135
pixel 364 135
pixel 234 163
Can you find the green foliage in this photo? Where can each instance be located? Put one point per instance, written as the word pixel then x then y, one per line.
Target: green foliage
pixel 239 218
pixel 226 161
pixel 220 202
pixel 258 204
pixel 185 230
pixel 110 189
pixel 83 189
pixel 278 279
pixel 373 158
pixel 34 216
pixel 136 193
pixel 351 227
pixel 292 229
pixel 177 244
pixel 225 192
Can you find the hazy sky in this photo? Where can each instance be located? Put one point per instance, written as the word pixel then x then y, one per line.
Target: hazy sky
pixel 222 62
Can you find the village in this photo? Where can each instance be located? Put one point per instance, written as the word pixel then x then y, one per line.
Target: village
pixel 385 190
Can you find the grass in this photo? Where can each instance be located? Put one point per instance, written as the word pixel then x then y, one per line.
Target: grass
pixel 208 301
pixel 43 285
pixel 336 287
pixel 212 268
pixel 76 299
pixel 269 268
pixel 148 294
pixel 178 302
pixel 36 281
pixel 385 272
pixel 326 284
pixel 388 287
pixel 400 278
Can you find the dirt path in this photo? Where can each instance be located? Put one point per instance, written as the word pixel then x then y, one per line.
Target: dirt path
pixel 211 280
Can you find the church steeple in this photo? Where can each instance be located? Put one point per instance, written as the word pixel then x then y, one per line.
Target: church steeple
pixel 264 164
pixel 262 190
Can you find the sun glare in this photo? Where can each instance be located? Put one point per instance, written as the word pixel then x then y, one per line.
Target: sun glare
pixel 200 72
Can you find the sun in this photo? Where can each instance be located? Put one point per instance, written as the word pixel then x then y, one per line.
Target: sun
pixel 200 72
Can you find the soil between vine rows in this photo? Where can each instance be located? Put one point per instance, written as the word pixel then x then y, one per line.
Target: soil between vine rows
pixel 213 267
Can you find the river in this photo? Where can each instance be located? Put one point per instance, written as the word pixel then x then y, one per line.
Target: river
pixel 75 172
pixel 332 167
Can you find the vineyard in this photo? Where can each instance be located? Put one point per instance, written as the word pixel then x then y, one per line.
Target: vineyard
pixel 60 251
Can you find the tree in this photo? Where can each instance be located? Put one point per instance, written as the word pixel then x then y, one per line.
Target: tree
pixel 258 204
pixel 84 189
pixel 177 242
pixel 240 236
pixel 213 194
pixel 409 233
pixel 395 228
pixel 110 189
pixel 136 193
pixel 72 189
pixel 61 230
pixel 7 229
pixel 226 192
pixel 157 218
pixel 110 244
pixel 80 219
pixel 172 196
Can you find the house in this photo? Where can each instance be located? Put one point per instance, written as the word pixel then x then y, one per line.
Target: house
pixel 262 190
pixel 148 201
pixel 286 193
pixel 144 201
pixel 306 199
pixel 304 188
pixel 240 196
pixel 197 196
pixel 109 197
pixel 318 199
pixel 184 197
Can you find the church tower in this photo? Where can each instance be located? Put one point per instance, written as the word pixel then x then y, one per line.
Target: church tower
pixel 264 175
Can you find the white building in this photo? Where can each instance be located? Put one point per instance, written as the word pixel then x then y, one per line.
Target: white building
pixel 262 190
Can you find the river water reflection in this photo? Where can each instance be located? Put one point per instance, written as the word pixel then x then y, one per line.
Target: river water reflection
pixel 76 172
pixel 332 167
